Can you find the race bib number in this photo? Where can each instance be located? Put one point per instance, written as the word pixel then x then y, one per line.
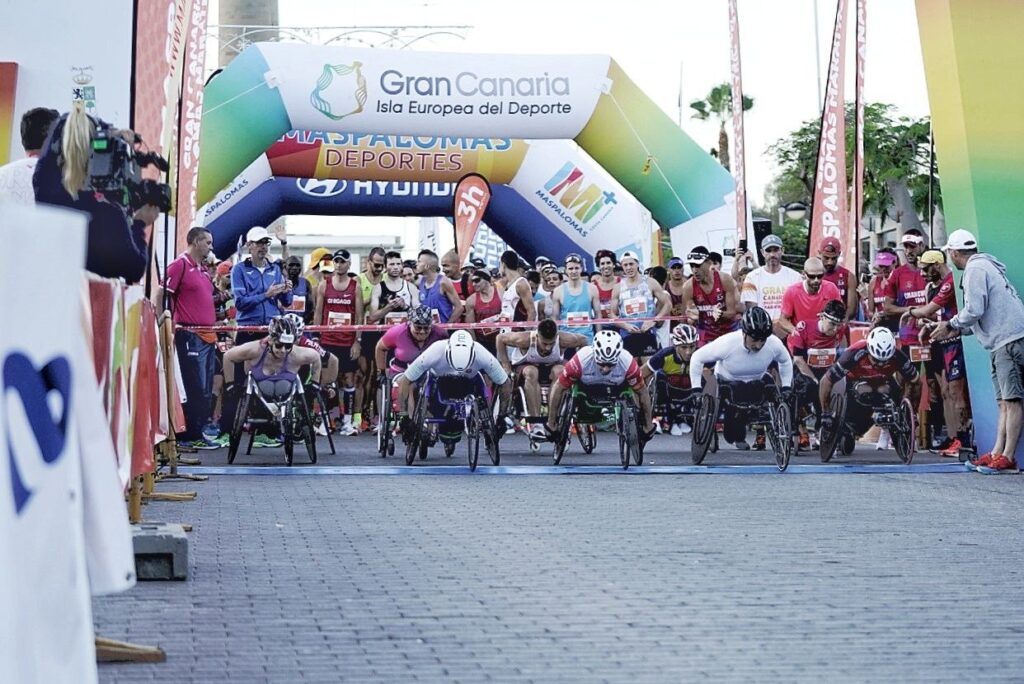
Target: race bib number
pixel 396 317
pixel 920 353
pixel 606 310
pixel 577 318
pixel 635 306
pixel 298 304
pixel 338 318
pixel 821 358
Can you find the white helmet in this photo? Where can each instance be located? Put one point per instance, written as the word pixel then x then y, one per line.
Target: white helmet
pixel 461 351
pixel 607 346
pixel 684 333
pixel 296 320
pixel 881 344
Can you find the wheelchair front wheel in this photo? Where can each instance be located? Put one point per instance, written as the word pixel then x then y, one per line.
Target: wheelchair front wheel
pixel 565 412
pixel 780 433
pixel 235 439
pixel 703 427
pixel 904 431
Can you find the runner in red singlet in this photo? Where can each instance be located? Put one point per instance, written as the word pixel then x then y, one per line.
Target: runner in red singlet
pixel 339 302
pixel 713 294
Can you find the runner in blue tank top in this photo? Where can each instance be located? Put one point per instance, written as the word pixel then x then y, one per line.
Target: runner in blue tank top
pixel 576 300
pixel 436 291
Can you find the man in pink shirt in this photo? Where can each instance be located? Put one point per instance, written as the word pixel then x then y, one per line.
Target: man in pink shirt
pixel 803 301
pixel 188 291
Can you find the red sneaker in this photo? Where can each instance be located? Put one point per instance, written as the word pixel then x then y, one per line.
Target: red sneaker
pixel 982 461
pixel 805 440
pixel 953 450
pixel 999 464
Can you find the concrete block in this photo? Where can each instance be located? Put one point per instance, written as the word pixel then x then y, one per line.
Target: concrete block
pixel 161 551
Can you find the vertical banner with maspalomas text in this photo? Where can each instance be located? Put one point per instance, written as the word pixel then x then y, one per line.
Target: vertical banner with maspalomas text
pixel 471 197
pixel 852 244
pixel 190 118
pixel 828 208
pixel 738 158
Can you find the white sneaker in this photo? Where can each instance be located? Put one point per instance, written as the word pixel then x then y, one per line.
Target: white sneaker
pixel 884 441
pixel 347 429
pixel 321 430
pixel 677 430
pixel 685 428
pixel 657 427
pixel 537 433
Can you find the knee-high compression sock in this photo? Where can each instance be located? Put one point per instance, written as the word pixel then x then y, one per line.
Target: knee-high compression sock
pixel 348 400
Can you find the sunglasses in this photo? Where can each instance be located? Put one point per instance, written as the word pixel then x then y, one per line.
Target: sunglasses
pixel 573 259
pixel 693 267
pixel 814 276
pixel 422 328
pixel 377 267
pixel 475 280
pixel 264 243
pixel 283 345
pixel 675 266
pixel 773 249
pixel 606 365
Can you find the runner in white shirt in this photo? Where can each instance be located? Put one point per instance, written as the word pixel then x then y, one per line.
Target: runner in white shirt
pixel 742 359
pixel 16 177
pixel 765 286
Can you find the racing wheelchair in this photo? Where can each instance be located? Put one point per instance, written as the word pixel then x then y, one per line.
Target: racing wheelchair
pixel 676 404
pixel 772 409
pixel 586 407
pixel 469 414
pixel 280 402
pixel 387 398
pixel 853 410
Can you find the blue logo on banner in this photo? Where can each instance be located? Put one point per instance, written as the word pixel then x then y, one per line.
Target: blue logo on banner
pixel 33 387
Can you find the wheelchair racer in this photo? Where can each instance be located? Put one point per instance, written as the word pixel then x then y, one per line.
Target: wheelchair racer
pixel 272 361
pixel 670 371
pixel 741 361
pixel 869 366
pixel 815 346
pixel 457 365
pixel 603 366
pixel 536 357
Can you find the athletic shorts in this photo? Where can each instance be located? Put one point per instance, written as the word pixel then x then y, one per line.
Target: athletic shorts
pixel 948 359
pixel 346 364
pixel 1006 370
pixel 543 371
pixel 368 344
pixel 641 344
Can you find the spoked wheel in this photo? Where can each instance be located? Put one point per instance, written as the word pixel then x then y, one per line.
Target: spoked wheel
pixel 472 437
pixel 565 412
pixel 904 431
pixel 489 433
pixel 703 427
pixel 587 436
pixel 780 433
pixel 237 427
pixel 385 436
pixel 629 440
pixel 418 440
pixel 829 439
pixel 308 431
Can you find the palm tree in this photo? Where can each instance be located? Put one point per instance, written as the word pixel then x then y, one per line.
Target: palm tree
pixel 718 103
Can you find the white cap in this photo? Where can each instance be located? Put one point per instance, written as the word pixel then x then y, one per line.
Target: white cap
pixel 630 255
pixel 257 233
pixel 961 239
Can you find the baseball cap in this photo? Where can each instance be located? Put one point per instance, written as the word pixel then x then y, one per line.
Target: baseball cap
pixel 478 263
pixel 698 255
pixel 256 234
pixel 327 267
pixel 831 245
pixel 932 256
pixel 675 261
pixel 630 255
pixel 910 237
pixel 540 261
pixel 342 254
pixel 771 241
pixel 885 259
pixel 317 255
pixel 961 239
pixel 224 267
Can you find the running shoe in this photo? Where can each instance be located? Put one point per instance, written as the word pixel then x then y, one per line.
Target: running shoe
pixel 222 440
pixel 939 446
pixel 998 465
pixel 984 460
pixel 805 440
pixel 677 430
pixel 759 441
pixel 537 433
pixel 203 444
pixel 347 429
pixel 264 442
pixel 952 450
pixel 741 445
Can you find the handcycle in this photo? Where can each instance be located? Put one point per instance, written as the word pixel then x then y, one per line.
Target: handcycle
pixel 279 402
pixel 771 409
pixel 585 407
pixel 470 409
pixel 894 413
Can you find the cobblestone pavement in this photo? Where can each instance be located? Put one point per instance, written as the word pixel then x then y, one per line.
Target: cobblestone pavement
pixel 907 577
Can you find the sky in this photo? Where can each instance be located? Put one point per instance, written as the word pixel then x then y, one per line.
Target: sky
pixel 674 50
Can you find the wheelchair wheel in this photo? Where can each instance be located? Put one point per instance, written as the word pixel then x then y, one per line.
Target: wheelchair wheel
pixel 308 432
pixel 472 437
pixel 629 439
pixel 237 427
pixel 904 431
pixel 780 433
pixel 703 427
pixel 385 436
pixel 418 439
pixel 289 442
pixel 565 412
pixel 489 432
pixel 829 439
pixel 587 436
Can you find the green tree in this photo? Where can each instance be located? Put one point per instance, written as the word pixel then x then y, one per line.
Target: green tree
pixel 718 104
pixel 896 163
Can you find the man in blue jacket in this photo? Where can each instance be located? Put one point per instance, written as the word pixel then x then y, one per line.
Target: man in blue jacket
pixel 260 289
pixel 994 314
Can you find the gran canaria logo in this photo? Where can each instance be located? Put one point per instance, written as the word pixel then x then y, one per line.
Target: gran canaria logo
pixel 340 91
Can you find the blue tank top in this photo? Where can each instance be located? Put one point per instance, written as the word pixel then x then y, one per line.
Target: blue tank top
pixel 577 303
pixel 635 301
pixel 435 299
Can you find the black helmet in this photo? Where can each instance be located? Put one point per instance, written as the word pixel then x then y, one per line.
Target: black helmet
pixel 835 310
pixel 757 323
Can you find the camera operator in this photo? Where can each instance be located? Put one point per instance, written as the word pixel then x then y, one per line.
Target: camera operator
pixel 116 245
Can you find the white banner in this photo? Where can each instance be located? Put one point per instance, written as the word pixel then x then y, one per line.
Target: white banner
pixel 411 91
pixel 50 487
pixel 581 199
pixel 246 182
